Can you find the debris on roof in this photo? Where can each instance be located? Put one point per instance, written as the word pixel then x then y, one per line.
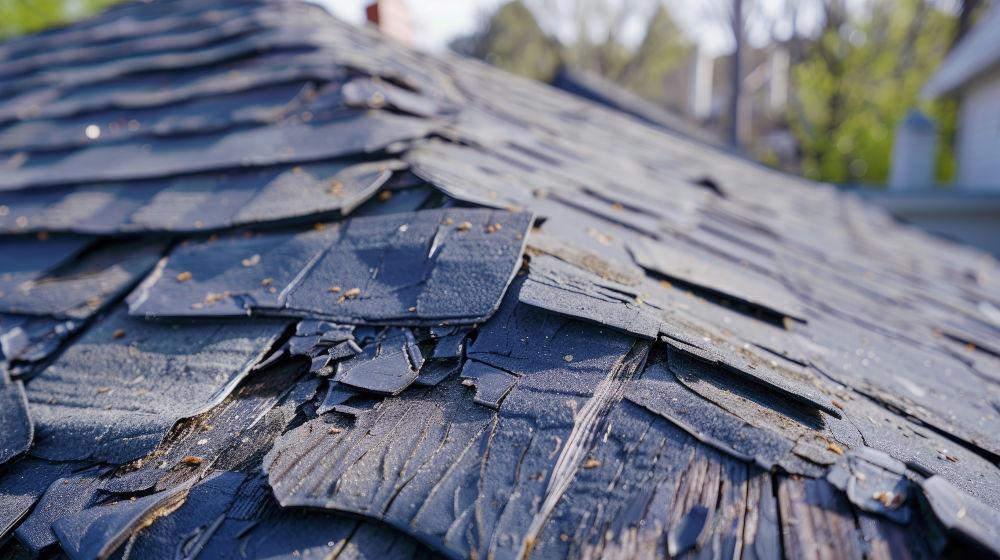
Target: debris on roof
pixel 272 285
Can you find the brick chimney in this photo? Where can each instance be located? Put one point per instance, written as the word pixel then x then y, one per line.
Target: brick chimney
pixel 392 17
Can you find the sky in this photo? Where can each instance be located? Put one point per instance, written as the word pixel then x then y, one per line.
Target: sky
pixel 438 21
pixel 435 22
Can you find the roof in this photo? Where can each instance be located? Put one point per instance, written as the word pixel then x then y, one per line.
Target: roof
pixel 977 53
pixel 600 90
pixel 275 286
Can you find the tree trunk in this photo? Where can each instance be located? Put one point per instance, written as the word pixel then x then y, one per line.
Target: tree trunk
pixel 735 78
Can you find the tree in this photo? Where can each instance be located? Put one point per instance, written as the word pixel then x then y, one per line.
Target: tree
pixel 664 48
pixel 26 16
pixel 858 78
pixel 598 28
pixel 512 39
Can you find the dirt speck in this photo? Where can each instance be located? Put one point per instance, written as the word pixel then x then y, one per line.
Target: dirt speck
pixel 251 261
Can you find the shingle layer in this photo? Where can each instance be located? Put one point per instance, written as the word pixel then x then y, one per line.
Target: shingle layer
pixel 273 286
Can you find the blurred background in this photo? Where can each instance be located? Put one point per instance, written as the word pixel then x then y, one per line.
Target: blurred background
pixel 898 100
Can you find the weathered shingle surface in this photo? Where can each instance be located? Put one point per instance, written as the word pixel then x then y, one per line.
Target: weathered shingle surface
pixel 273 286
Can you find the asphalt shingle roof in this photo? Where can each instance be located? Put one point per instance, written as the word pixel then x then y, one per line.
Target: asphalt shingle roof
pixel 273 286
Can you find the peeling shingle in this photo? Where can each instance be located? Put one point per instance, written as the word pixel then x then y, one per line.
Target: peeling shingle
pixel 113 398
pixel 963 514
pixel 713 273
pixel 561 288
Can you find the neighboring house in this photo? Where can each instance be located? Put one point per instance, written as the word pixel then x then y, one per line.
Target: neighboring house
pixel 968 211
pixel 971 72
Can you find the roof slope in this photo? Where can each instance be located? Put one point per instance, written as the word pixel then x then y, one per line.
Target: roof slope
pixel 276 286
pixel 600 90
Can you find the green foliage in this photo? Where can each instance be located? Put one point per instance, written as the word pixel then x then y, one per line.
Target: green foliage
pixel 513 40
pixel 663 49
pixel 26 16
pixel 607 58
pixel 857 81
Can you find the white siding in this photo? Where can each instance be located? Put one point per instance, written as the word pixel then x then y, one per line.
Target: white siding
pixel 978 149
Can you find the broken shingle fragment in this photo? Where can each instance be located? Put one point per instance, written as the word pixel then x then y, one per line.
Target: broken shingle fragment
pixel 615 270
pixel 336 395
pixel 449 342
pixel 874 482
pixel 27 339
pixel 491 384
pixel 315 189
pixel 377 94
pixel 437 370
pixel 386 366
